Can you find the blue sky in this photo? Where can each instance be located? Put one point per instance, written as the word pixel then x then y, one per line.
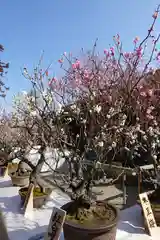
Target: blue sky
pixel 56 26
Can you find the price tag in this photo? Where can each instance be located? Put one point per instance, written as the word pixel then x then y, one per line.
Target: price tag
pixel 148 213
pixel 56 224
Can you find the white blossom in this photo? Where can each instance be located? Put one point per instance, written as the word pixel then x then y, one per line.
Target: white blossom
pixel 101 144
pixel 33 113
pixel 150 131
pixel 138 127
pixel 114 144
pixel 124 117
pixel 145 137
pixel 24 93
pixel 122 123
pixel 98 164
pixel 155 157
pixel 153 145
pixel 69 119
pixel 73 107
pixel 97 108
pixel 111 110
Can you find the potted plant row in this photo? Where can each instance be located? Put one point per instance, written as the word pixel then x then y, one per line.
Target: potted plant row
pixel 20 177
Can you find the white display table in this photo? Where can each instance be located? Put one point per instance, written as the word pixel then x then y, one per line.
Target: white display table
pixel 130 226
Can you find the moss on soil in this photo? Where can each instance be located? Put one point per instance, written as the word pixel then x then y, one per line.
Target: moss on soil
pixel 93 217
pixel 36 192
pixel 12 165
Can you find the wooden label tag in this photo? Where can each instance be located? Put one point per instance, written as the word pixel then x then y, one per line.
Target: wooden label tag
pixel 56 224
pixel 28 204
pixel 148 213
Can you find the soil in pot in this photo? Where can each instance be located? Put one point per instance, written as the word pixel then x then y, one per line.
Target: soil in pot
pixel 39 197
pixel 20 179
pixel 12 167
pixel 99 222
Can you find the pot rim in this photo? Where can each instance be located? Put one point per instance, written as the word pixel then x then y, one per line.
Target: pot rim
pixel 94 229
pixel 23 176
pixel 20 193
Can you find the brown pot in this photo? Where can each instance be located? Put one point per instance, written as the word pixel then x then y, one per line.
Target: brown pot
pixel 20 181
pixel 38 201
pixel 79 231
pixel 2 170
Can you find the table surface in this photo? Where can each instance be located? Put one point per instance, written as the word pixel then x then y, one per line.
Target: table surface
pixel 130 225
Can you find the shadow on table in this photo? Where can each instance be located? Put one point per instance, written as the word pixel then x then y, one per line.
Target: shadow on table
pixel 30 234
pixel 6 183
pixel 131 197
pixel 131 221
pixel 10 204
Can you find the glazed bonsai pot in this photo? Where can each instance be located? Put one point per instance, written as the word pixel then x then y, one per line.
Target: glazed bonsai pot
pixel 39 198
pixel 20 181
pixel 96 232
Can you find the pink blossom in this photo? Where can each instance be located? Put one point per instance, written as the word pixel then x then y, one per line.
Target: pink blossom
pixel 60 60
pixel 155 15
pixel 143 94
pixel 51 81
pixel 149 116
pixel 73 65
pixel 126 55
pixel 112 51
pixel 106 52
pixel 76 65
pixel 158 56
pixel 140 86
pixel 139 52
pixel 149 111
pixel 136 40
pixel 86 74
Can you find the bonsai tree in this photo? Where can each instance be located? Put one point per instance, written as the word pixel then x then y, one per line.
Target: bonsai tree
pixel 3 71
pixel 100 110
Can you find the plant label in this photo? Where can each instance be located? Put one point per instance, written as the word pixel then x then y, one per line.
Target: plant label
pixel 28 204
pixel 56 224
pixel 155 233
pixel 148 214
